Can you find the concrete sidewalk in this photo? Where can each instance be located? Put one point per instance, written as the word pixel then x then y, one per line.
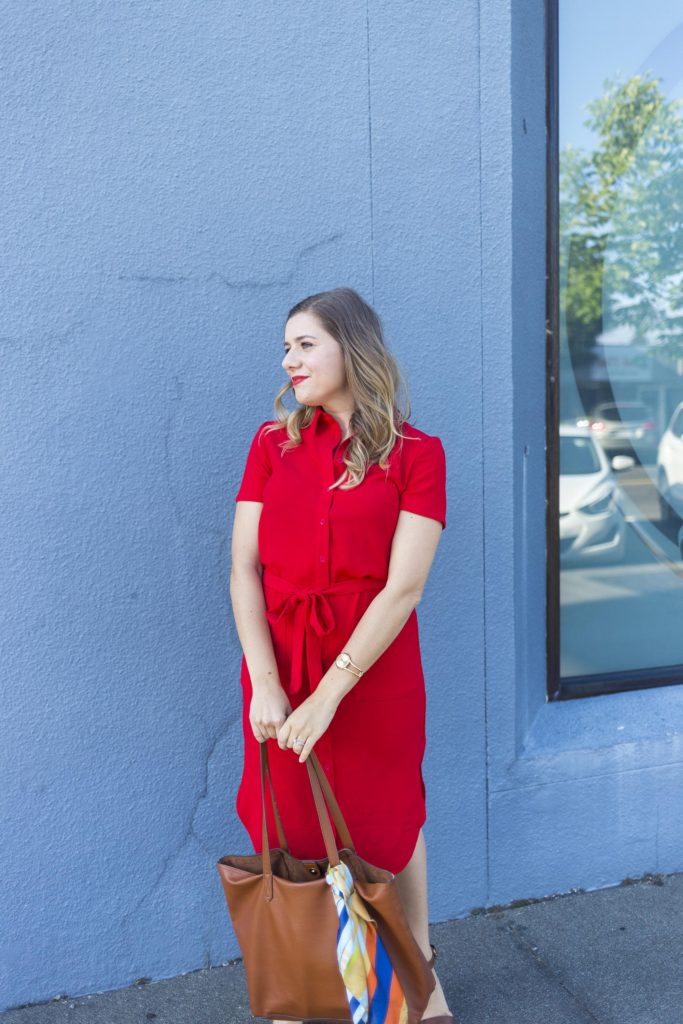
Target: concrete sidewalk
pixel 614 956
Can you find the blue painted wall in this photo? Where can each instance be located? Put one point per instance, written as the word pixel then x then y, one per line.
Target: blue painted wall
pixel 177 175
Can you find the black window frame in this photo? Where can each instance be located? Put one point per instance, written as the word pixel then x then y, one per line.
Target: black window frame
pixel 574 687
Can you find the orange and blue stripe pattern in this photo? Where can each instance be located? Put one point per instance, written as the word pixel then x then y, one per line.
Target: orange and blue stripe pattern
pixel 372 986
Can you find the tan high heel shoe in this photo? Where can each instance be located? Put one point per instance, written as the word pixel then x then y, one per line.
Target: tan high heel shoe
pixel 441 1018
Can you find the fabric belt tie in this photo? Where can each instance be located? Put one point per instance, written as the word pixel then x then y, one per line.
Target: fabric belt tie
pixel 312 618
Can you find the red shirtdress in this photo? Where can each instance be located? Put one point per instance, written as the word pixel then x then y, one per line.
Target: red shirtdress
pixel 325 555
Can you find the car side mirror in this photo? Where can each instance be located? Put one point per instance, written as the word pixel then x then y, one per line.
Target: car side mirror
pixel 622 462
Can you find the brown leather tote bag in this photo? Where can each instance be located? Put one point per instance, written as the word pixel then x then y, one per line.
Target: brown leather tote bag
pixel 285 919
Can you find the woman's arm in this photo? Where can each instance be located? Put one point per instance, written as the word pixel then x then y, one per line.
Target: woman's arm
pixel 269 704
pixel 416 539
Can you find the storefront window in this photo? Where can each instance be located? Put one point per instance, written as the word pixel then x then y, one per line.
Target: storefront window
pixel 616 329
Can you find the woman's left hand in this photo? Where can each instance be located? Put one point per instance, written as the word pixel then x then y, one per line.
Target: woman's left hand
pixel 308 722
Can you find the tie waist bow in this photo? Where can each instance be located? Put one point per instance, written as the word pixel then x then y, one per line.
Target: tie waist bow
pixel 312 618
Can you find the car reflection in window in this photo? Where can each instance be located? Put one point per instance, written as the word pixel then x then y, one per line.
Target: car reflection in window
pixel 592 524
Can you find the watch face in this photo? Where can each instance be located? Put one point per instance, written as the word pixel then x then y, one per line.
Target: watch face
pixel 343 660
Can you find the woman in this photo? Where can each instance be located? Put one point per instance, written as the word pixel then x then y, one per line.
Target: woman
pixel 338 517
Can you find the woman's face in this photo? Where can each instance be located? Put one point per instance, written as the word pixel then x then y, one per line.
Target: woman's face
pixel 313 361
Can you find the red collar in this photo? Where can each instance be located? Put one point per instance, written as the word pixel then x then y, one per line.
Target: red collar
pixel 321 422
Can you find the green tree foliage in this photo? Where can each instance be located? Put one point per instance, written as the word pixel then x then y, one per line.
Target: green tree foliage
pixel 621 220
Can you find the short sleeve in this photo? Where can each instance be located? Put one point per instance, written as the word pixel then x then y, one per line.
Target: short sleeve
pixel 257 469
pixel 424 491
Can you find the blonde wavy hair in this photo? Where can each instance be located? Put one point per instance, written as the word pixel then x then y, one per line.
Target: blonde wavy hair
pixel 373 377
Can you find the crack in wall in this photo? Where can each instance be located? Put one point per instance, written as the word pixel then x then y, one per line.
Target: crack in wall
pixel 247 282
pixel 190 832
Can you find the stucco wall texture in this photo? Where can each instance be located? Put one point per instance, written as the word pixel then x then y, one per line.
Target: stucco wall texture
pixel 175 176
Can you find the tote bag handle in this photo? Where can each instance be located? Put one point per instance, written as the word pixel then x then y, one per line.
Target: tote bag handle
pixel 319 784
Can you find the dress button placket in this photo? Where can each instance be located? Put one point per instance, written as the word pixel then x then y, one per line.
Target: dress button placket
pixel 323 747
pixel 324 518
pixel 324 540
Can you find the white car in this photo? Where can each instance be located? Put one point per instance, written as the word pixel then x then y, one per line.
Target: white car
pixel 592 524
pixel 623 427
pixel 670 469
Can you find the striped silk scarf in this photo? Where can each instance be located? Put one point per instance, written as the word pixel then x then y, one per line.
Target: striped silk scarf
pixel 372 987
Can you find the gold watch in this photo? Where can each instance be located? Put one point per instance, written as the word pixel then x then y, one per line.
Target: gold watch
pixel 344 661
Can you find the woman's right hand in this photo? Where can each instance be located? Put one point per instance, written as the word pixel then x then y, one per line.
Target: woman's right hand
pixel 269 708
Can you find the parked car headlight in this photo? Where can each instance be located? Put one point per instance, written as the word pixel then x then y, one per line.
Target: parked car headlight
pixel 600 505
